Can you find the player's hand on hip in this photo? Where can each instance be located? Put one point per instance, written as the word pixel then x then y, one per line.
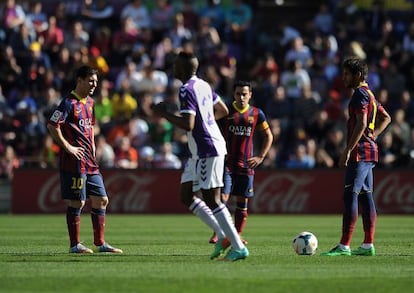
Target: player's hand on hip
pixel 254 162
pixel 77 152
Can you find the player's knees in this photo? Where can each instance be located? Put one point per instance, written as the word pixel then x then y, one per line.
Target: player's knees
pixel 104 202
pixel 99 202
pixel 77 204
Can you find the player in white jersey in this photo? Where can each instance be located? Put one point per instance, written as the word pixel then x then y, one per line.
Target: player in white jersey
pixel 199 109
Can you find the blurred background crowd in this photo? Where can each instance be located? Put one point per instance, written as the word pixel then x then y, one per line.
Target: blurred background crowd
pixel 290 50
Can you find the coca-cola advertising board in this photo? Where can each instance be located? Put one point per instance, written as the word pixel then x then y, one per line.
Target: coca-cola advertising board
pixel 276 192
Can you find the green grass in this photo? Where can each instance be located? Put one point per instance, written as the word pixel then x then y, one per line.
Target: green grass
pixel 170 253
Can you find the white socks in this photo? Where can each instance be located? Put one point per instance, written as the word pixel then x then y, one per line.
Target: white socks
pixel 343 246
pixel 225 220
pixel 201 210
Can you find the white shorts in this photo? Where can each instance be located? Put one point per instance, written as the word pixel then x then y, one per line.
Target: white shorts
pixel 205 173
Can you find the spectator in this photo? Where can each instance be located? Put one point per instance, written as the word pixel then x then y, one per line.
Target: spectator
pixel 278 107
pixel 119 129
pixel 126 157
pixel 64 69
pixel 146 157
pixel 375 17
pixel 206 38
pixel 10 71
pixel 96 13
pixel 37 17
pixel 226 67
pixel 38 63
pixel 49 153
pixel 178 33
pixel 20 42
pixel 9 161
pixel 319 126
pixel 394 81
pixel 323 20
pixel 287 33
pixel 163 55
pixel 138 132
pixel 124 105
pixel 333 106
pixel 138 13
pixel 51 99
pixel 408 40
pixel 128 78
pixel 52 38
pixel 161 19
pixel 190 14
pixel 215 12
pixel 151 80
pixel 300 159
pixel 166 159
pixel 388 38
pixel 401 133
pixel 103 106
pixel 299 52
pixel 123 40
pixel 263 68
pixel 296 80
pixel 10 128
pixel 34 132
pixel 76 38
pixel 238 25
pixel 160 131
pixel 96 60
pixel 146 102
pixel 306 107
pixel 334 144
pixel 105 154
pixel 102 39
pixel 13 17
pixel 407 105
pixel 387 153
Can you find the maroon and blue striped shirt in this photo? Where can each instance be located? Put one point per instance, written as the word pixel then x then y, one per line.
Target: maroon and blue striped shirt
pixel 364 101
pixel 75 116
pixel 238 129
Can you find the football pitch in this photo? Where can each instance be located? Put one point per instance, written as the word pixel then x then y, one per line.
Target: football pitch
pixel 170 253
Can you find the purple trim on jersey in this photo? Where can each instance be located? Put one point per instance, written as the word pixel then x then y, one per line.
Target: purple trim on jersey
pixel 76 120
pixel 197 98
pixel 239 128
pixel 363 101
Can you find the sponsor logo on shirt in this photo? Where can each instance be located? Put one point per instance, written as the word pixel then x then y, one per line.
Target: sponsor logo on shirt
pixel 56 116
pixel 240 130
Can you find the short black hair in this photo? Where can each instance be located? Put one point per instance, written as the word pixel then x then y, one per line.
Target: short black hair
pixel 356 65
pixel 85 71
pixel 190 61
pixel 242 83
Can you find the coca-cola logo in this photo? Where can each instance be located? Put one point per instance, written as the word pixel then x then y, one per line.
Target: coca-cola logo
pixel 127 192
pixel 50 198
pixel 393 196
pixel 282 193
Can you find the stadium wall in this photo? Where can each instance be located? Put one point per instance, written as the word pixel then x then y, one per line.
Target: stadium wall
pixel 157 191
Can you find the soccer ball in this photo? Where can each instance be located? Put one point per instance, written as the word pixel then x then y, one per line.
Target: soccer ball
pixel 305 243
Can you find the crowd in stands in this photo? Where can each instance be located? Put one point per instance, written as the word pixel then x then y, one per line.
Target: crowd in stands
pixel 295 71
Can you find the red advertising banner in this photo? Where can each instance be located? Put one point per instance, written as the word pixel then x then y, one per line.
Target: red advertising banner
pixel 157 191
